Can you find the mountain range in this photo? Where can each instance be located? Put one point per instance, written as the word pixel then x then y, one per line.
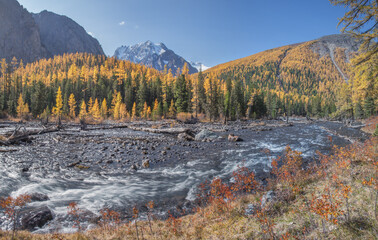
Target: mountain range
pixel 155 55
pixel 31 37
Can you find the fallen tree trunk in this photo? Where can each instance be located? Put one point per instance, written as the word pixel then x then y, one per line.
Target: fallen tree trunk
pixel 107 127
pixel 163 131
pixel 16 137
pixel 7 150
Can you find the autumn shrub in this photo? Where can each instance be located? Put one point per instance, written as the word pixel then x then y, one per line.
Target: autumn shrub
pixel 12 207
pixel 244 181
pixel 174 224
pixel 289 173
pixel 75 212
pixel 110 219
pixel 184 116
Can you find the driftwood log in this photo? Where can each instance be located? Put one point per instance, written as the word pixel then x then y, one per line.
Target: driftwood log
pixel 162 130
pixel 17 136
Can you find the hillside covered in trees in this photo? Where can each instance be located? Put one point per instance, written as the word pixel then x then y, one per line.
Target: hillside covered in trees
pixel 314 78
pixel 308 79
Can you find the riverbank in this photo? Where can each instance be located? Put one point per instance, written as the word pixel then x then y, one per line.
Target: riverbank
pixel 105 166
pixel 335 198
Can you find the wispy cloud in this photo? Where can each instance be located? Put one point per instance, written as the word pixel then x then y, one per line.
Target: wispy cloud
pixel 136 26
pixel 122 23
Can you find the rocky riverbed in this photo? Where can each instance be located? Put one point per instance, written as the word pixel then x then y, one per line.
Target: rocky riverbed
pixel 119 166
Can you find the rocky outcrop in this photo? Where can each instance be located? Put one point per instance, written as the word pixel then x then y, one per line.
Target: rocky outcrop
pixel 324 45
pixel 19 34
pixel 60 34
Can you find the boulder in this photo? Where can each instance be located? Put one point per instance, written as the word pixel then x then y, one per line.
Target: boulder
pixel 206 135
pixel 268 197
pixel 38 197
pixel 252 209
pixel 134 167
pixel 35 218
pixel 185 137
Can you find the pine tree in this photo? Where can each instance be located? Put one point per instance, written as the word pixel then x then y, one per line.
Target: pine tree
pixel 369 107
pixel 181 94
pixel 72 106
pixel 38 99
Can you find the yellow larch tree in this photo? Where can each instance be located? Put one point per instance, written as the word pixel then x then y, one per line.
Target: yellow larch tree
pixel 72 105
pixel 155 110
pixel 144 111
pixel 134 112
pixel 90 107
pixel 96 114
pixel 104 109
pixel 22 107
pixel 57 110
pixel 83 110
pixel 148 113
pixel 117 105
pixel 172 110
pixel 123 114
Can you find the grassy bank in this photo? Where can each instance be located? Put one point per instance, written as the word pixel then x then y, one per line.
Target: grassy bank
pixel 334 198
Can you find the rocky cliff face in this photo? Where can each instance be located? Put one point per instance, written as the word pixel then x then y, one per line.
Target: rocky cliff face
pixel 327 44
pixel 19 34
pixel 155 55
pixel 31 37
pixel 60 34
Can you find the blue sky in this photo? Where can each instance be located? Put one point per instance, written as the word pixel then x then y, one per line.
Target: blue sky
pixel 210 31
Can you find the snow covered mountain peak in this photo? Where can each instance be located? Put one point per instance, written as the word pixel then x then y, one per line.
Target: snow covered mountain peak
pixel 199 66
pixel 155 55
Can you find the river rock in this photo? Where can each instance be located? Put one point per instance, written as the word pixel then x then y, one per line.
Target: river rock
pixel 185 137
pixel 38 197
pixel 134 167
pixel 233 138
pixel 34 218
pixel 206 135
pixel 252 209
pixel 270 196
pixel 146 164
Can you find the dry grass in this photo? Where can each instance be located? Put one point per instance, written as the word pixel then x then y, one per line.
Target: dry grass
pixel 290 216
